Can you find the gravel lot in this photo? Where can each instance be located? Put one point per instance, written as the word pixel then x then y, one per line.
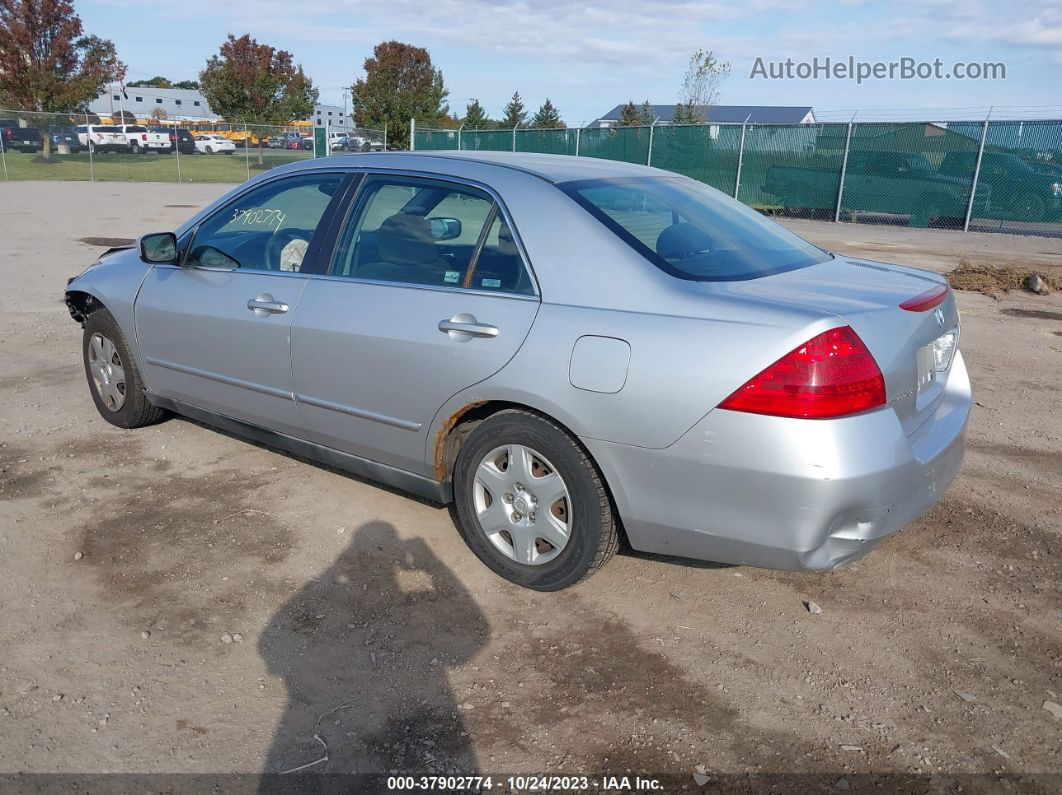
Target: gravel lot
pixel 175 600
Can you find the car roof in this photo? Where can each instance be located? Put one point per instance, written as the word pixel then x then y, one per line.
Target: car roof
pixel 552 168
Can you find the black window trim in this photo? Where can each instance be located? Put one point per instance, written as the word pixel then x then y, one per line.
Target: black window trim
pixel 313 251
pixel 344 215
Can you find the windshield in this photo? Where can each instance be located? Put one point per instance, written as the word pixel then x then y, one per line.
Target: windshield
pixel 692 231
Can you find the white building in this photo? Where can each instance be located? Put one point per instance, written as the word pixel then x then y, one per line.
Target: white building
pixel 176 103
pixel 332 116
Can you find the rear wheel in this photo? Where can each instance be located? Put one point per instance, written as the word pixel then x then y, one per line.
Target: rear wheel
pixel 531 504
pixel 113 377
pixel 209 150
pixel 134 147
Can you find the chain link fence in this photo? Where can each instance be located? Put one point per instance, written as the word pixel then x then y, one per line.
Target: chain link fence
pixel 79 146
pixel 1000 176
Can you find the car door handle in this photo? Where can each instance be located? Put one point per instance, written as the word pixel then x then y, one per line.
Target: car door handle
pixel 464 325
pixel 265 305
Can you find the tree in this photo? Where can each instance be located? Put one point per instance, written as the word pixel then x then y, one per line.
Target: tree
pixel 646 113
pixel 125 117
pixel 475 117
pixel 158 81
pixel 515 114
pixel 700 87
pixel 400 84
pixel 547 116
pixel 158 114
pixel 257 84
pixel 631 116
pixel 47 63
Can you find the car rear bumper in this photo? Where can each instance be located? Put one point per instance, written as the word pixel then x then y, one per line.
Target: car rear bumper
pixel 785 493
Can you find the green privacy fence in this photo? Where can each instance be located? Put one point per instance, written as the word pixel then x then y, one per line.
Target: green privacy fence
pixel 983 176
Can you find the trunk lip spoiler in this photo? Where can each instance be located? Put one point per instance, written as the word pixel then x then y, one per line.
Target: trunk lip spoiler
pixel 931 298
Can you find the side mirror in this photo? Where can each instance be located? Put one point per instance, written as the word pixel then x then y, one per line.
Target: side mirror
pixel 159 248
pixel 445 228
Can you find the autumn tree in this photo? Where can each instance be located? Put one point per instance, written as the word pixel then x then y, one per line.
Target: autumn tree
pixel 47 62
pixel 256 84
pixel 476 117
pixel 400 84
pixel 515 113
pixel 547 116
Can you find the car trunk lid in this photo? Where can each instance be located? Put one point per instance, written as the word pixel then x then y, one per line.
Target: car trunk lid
pixel 867 296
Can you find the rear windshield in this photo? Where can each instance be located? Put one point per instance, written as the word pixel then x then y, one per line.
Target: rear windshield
pixel 692 231
pixel 106 129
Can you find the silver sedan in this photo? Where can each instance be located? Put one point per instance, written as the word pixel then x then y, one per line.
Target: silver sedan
pixel 573 351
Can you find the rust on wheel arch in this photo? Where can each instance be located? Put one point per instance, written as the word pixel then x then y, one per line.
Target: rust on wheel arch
pixel 444 433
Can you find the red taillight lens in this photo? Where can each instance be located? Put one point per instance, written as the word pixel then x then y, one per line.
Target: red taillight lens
pixel 830 375
pixel 143 136
pixel 927 300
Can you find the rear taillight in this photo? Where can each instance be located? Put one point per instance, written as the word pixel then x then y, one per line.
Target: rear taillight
pixel 830 375
pixel 927 300
pixel 143 136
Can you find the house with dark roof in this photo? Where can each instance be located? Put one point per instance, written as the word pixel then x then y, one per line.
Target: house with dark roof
pixel 724 114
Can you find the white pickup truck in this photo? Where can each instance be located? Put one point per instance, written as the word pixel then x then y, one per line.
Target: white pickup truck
pixel 140 139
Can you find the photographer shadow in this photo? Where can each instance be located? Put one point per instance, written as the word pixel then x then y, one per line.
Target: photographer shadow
pixel 364 651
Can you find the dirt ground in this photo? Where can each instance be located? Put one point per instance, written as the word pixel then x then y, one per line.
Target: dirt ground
pixel 175 600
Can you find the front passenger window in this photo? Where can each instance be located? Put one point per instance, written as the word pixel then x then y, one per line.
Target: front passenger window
pixel 266 229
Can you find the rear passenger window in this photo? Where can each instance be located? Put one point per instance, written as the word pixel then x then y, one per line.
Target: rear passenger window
pixel 413 232
pixel 432 233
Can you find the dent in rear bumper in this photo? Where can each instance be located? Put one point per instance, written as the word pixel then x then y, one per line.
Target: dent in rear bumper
pixel 787 494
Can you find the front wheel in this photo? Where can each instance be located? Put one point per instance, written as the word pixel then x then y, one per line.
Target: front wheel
pixel 531 504
pixel 113 377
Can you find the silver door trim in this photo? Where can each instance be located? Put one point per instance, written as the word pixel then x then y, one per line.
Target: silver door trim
pixel 342 408
pixel 272 391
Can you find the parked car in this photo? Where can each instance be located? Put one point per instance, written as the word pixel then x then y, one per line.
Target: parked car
pixel 68 137
pixel 306 143
pixel 357 143
pixel 1020 190
pixel 139 139
pixel 338 143
pixel 19 138
pixel 214 144
pixel 180 139
pixel 685 373
pixel 102 138
pixel 876 181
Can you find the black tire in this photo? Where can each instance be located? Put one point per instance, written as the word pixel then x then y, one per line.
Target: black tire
pixel 594 535
pixel 135 411
pixel 134 147
pixel 209 151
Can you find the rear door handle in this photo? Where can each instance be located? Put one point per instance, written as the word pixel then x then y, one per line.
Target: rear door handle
pixel 464 326
pixel 265 305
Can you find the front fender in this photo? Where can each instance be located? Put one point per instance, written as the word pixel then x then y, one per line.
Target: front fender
pixel 112 282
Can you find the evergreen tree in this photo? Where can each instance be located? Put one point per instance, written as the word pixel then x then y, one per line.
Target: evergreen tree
pixel 646 113
pixel 547 116
pixel 631 116
pixel 515 113
pixel 476 117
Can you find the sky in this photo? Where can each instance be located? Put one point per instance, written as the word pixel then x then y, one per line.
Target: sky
pixel 588 56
